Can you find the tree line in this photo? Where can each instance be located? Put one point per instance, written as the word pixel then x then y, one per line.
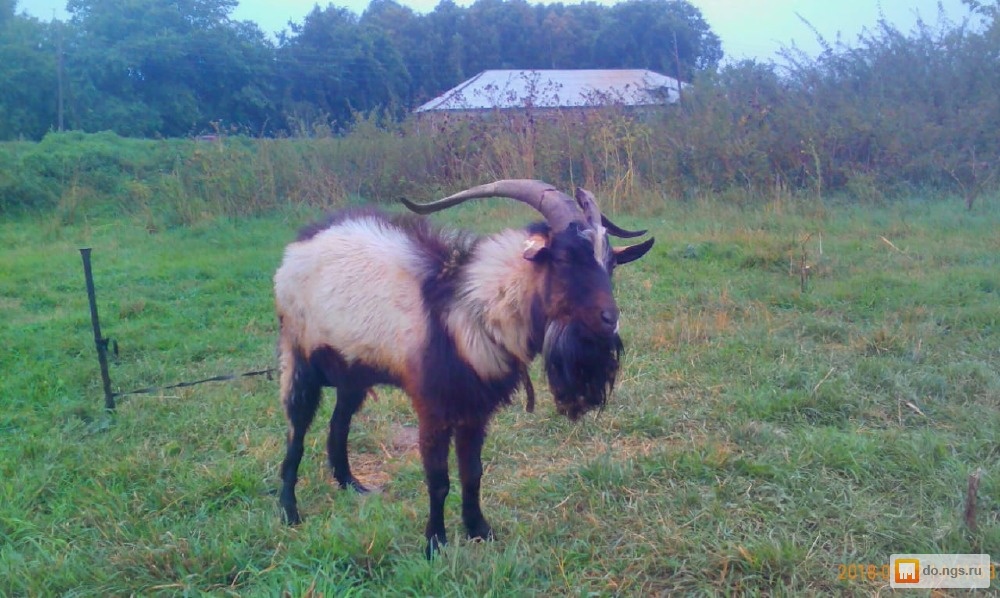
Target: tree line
pixel 148 68
pixel 891 112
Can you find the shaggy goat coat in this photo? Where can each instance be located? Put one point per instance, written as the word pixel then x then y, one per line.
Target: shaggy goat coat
pixel 453 319
pixel 390 294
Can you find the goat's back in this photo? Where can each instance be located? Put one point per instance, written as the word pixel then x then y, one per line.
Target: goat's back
pixel 354 286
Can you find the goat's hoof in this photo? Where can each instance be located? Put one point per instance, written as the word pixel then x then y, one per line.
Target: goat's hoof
pixel 483 533
pixel 434 546
pixel 352 483
pixel 292 518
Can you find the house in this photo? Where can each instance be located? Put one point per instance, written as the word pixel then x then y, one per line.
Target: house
pixel 554 89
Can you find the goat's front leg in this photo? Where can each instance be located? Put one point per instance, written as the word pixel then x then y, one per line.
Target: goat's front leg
pixel 435 442
pixel 469 448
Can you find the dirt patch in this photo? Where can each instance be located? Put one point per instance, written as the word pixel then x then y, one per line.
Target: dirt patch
pixel 405 439
pixel 375 470
pixel 370 470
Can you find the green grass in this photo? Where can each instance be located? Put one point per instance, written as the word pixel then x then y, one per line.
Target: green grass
pixel 763 431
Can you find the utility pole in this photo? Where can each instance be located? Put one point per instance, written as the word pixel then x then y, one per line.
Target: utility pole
pixel 59 69
pixel 677 66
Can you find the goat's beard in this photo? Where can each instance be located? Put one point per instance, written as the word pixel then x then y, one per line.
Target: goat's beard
pixel 581 367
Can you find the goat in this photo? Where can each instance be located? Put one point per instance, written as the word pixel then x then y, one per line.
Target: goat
pixel 451 318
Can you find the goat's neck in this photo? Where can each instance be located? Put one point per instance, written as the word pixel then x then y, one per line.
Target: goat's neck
pixel 491 318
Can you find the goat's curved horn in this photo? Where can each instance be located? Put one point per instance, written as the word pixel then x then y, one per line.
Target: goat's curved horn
pixel 617 231
pixel 588 203
pixel 558 208
pixel 593 212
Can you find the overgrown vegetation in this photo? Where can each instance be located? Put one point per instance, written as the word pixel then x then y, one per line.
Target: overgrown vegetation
pixel 768 426
pixel 890 114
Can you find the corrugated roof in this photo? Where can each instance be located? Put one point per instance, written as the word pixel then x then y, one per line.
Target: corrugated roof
pixel 557 89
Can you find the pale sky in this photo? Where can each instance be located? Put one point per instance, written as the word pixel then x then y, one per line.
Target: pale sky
pixel 747 28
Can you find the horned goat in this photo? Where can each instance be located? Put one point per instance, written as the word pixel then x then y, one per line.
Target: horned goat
pixel 453 319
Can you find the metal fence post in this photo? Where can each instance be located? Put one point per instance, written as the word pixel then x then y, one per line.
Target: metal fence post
pixel 99 341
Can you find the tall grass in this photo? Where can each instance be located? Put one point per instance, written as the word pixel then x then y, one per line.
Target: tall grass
pixel 844 125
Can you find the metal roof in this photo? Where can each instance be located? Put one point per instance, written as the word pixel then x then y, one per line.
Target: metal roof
pixel 557 89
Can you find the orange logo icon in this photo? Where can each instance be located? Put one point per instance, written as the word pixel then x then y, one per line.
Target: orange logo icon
pixel 907 571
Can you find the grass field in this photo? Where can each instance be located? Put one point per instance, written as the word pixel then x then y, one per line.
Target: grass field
pixel 769 429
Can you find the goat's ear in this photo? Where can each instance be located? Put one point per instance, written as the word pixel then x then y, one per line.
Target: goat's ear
pixel 624 255
pixel 536 247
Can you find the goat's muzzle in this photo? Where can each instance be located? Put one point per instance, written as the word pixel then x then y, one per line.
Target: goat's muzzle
pixel 581 366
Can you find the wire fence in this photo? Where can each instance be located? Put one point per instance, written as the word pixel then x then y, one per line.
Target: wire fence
pixel 220 378
pixel 102 343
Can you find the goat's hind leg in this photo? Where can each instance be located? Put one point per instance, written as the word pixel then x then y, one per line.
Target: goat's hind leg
pixel 348 402
pixel 300 395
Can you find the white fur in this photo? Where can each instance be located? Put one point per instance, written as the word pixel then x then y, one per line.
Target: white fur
pixel 355 287
pixel 491 318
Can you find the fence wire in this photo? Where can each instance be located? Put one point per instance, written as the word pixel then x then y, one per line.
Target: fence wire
pixel 222 378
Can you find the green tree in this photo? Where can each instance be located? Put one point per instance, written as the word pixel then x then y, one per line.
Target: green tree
pixel 411 36
pixel 668 36
pixel 445 26
pixel 8 8
pixel 570 33
pixel 28 85
pixel 145 67
pixel 506 36
pixel 332 68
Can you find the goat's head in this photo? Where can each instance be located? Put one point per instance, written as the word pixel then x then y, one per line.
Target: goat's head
pixel 581 346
